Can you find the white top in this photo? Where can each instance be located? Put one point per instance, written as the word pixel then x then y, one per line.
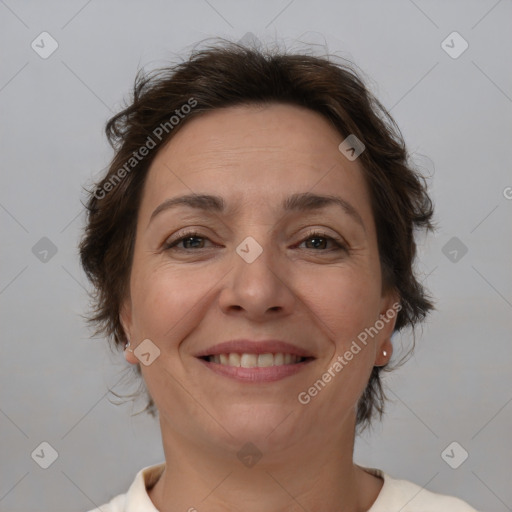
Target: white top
pixel 395 495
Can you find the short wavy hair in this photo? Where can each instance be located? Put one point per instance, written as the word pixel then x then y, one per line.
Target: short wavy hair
pixel 228 74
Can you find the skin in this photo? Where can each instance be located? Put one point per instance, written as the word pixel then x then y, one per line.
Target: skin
pixel 314 296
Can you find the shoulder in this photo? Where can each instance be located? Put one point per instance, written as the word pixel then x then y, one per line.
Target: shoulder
pixel 406 496
pixel 414 498
pixel 137 498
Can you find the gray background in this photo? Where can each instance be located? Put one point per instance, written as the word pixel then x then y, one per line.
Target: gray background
pixel 455 116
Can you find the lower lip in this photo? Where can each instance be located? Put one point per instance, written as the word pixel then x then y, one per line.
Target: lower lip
pixel 265 374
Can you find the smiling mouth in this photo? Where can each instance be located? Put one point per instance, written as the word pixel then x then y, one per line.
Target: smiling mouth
pixel 255 360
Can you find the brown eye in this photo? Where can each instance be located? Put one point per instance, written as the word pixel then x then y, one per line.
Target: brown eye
pixel 320 239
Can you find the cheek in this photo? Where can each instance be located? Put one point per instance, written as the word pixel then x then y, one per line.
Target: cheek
pixel 168 301
pixel 349 302
pixel 164 302
pixel 349 306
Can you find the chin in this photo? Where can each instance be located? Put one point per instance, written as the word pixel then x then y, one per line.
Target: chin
pixel 258 423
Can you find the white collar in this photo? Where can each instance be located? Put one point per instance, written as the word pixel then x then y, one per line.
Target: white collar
pixel 138 500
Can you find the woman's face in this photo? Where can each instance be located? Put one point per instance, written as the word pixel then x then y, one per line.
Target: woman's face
pixel 256 270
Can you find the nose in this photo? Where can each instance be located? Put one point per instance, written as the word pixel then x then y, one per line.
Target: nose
pixel 259 284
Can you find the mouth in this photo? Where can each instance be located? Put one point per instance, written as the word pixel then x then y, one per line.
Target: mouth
pixel 248 360
pixel 255 368
pixel 255 361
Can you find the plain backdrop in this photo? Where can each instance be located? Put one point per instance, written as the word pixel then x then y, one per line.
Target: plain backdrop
pixel 454 111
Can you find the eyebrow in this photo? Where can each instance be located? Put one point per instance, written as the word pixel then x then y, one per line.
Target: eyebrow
pixel 302 202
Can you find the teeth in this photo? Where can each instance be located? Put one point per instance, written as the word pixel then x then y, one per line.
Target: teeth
pixel 278 359
pixel 265 360
pixel 249 361
pixel 234 359
pixel 254 360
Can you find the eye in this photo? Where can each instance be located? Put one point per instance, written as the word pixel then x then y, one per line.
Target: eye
pixel 320 236
pixel 187 237
pixel 191 237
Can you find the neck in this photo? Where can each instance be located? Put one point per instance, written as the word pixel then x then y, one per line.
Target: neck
pixel 293 479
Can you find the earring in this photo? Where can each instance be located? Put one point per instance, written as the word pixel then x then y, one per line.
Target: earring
pixel 384 353
pixel 127 345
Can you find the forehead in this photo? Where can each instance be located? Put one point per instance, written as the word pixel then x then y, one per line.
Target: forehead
pixel 265 132
pixel 255 155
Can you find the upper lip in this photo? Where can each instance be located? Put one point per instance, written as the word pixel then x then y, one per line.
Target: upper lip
pixel 244 346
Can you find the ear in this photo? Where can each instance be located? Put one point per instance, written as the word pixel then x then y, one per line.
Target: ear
pixel 125 317
pixel 390 306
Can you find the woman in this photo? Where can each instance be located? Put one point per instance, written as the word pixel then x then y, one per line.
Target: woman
pixel 252 248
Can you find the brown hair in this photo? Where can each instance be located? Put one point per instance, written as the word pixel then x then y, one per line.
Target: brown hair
pixel 229 74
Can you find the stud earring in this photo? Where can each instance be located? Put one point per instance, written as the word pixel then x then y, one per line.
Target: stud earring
pixel 127 345
pixel 384 353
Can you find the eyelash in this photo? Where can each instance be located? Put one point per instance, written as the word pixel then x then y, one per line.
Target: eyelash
pixel 340 246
